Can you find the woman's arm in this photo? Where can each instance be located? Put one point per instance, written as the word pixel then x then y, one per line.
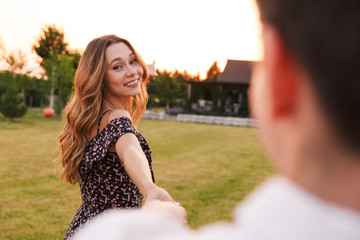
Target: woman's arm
pixel 136 164
pixel 137 167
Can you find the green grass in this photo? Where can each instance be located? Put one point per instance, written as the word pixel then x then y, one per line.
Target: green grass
pixel 208 168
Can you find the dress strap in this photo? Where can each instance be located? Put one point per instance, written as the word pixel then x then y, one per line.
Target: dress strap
pixel 98 128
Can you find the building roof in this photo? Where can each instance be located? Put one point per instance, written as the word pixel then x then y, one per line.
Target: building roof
pixel 236 72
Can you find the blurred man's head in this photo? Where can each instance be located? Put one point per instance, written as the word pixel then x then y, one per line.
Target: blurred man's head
pixel 322 37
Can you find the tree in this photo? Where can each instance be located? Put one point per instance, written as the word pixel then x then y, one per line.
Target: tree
pixel 59 63
pixel 60 71
pixel 51 42
pixel 167 88
pixel 16 62
pixel 12 104
pixel 213 72
pixel 75 56
pixel 64 83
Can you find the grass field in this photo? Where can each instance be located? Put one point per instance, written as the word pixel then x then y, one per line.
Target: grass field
pixel 208 168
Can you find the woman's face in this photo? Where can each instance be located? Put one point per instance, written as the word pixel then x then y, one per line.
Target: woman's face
pixel 123 74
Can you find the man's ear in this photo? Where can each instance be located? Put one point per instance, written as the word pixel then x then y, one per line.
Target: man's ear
pixel 283 73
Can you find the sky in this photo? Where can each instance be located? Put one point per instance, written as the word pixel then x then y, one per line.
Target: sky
pixel 178 34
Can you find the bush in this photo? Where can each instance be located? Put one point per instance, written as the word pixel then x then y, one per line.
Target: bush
pixel 12 104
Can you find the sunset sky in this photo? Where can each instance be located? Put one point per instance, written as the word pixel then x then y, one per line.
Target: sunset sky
pixel 185 35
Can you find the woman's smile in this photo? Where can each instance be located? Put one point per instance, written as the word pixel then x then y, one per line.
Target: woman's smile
pixel 132 83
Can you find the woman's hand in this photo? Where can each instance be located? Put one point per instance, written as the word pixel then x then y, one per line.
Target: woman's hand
pixel 158 193
pixel 159 201
pixel 151 70
pixel 168 209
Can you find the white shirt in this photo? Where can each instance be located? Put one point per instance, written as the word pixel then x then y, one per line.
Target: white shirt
pixel 278 209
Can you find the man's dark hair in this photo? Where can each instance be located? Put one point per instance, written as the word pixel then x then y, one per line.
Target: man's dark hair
pixel 324 37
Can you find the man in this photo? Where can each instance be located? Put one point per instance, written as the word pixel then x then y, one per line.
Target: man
pixel 305 97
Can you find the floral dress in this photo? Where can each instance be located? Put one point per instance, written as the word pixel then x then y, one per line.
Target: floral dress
pixel 104 182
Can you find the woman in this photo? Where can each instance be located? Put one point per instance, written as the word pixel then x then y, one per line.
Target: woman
pixel 100 147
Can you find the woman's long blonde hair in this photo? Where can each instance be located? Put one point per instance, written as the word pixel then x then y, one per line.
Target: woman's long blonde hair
pixel 83 109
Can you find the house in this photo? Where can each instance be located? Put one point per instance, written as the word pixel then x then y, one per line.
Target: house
pixel 225 96
pixel 236 73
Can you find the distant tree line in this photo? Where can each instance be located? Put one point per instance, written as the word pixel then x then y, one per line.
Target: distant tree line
pixel 34 90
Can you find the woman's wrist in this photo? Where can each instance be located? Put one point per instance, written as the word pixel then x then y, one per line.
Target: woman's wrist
pixel 149 190
pixel 158 193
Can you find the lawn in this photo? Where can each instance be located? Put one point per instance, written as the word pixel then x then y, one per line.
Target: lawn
pixel 208 168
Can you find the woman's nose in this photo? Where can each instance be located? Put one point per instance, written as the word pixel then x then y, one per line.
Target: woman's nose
pixel 131 70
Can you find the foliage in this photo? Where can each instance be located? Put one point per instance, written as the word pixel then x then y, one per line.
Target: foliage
pixel 6 80
pixel 60 72
pixel 207 172
pixel 244 109
pixel 15 78
pixel 50 42
pixel 12 104
pixel 59 63
pixel 74 56
pixel 167 89
pixel 35 91
pixel 16 62
pixel 64 83
pixel 213 72
pixel 218 99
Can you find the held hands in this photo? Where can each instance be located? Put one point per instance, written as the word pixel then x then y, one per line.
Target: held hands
pixel 159 201
pixel 151 70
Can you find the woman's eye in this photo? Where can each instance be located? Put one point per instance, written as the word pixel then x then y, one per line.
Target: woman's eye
pixel 133 61
pixel 117 67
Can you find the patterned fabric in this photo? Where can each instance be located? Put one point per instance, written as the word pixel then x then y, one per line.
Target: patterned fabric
pixel 104 182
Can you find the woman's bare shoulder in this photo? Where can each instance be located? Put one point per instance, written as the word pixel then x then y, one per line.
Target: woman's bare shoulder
pixel 117 113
